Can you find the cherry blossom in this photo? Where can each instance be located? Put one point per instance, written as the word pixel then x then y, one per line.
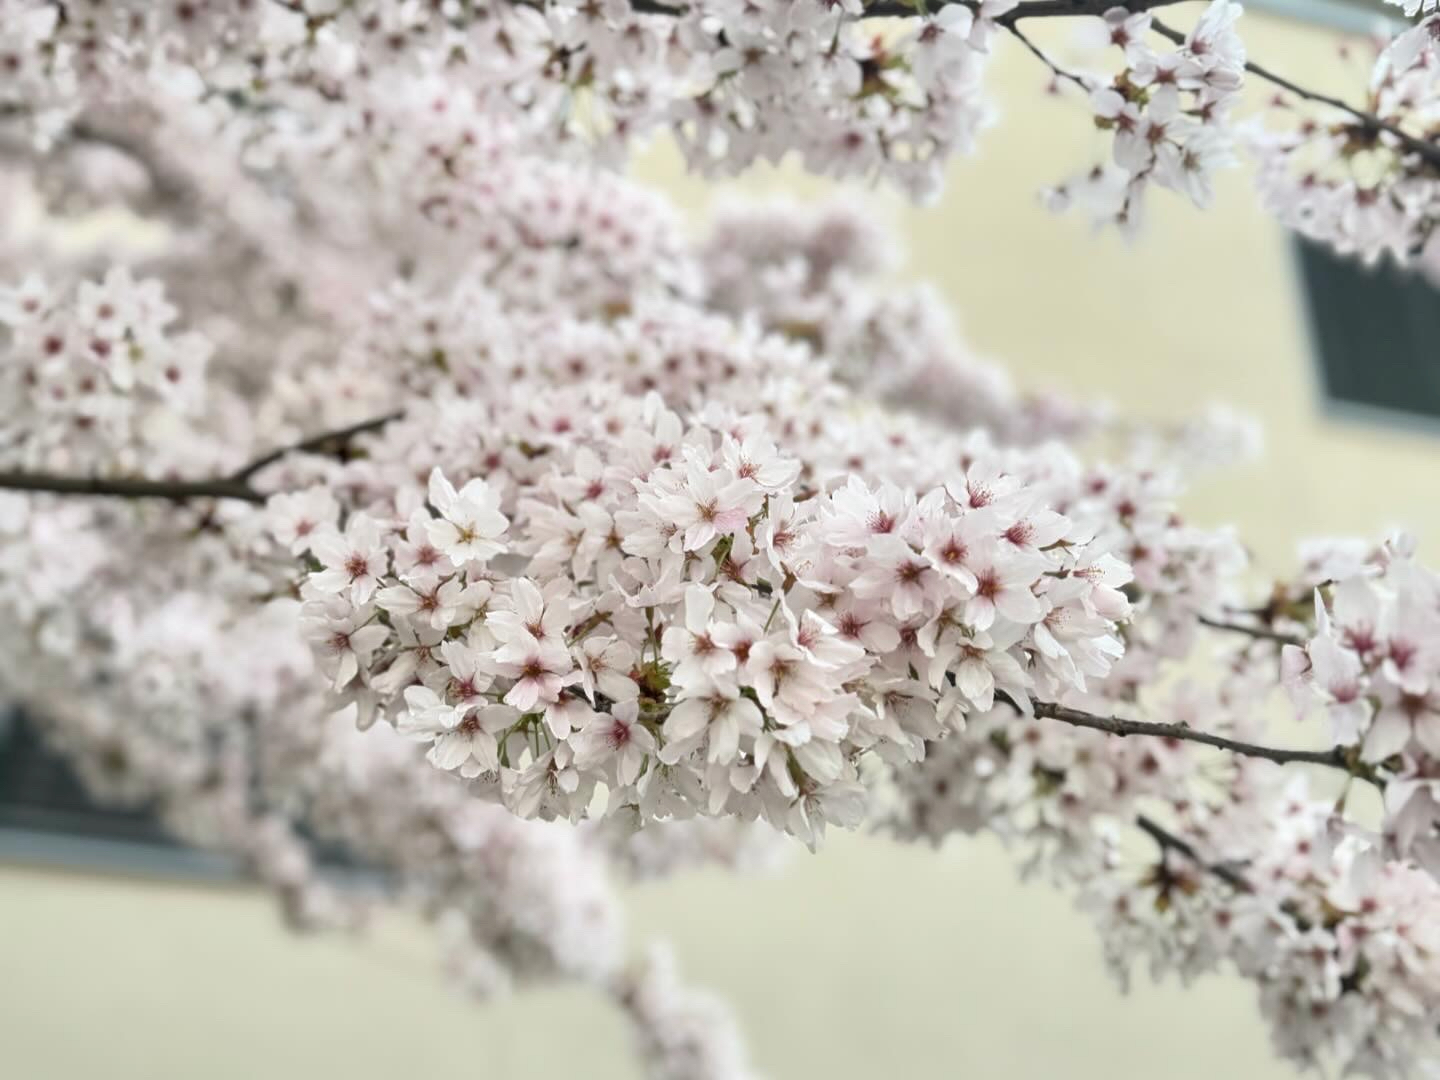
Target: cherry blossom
pixel 469 521
pixel 415 485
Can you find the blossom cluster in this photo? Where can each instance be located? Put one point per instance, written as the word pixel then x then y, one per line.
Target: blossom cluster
pixel 686 622
pixel 1339 941
pixel 1257 870
pixel 1169 114
pixel 415 91
pixel 1362 183
pixel 851 88
pixel 1372 669
pixel 94 374
pixel 734 82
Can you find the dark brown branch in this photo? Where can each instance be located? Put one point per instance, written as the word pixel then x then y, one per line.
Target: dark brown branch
pixel 1030 9
pixel 1229 873
pixel 325 442
pixel 173 490
pixel 1168 841
pixel 235 486
pixel 1335 758
pixel 1262 633
pixel 1043 57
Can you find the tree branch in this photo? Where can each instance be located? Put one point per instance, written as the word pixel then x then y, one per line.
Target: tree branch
pixel 326 441
pixel 173 490
pixel 1429 152
pixel 1226 872
pixel 1030 9
pixel 1334 758
pixel 235 486
pixel 1055 69
pixel 1260 632
pixel 1051 9
pixel 1168 841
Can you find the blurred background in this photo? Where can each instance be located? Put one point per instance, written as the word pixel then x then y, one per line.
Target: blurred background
pixel 120 959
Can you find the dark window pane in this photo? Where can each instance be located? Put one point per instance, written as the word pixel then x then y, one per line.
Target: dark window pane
pixel 38 791
pixel 47 817
pixel 1376 332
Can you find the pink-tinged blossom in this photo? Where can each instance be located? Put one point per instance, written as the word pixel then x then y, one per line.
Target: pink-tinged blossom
pixel 1004 586
pixel 344 641
pixel 719 718
pixel 533 615
pixel 901 575
pixel 860 514
pixel 470 523
pixel 705 504
pixel 605 666
pixel 441 603
pixel 617 740
pixel 296 518
pixel 539 671
pixel 416 554
pixel 691 648
pixel 353 561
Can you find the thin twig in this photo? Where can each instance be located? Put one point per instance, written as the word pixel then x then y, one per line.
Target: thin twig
pixel 1031 9
pixel 1427 151
pixel 1055 69
pixel 315 444
pixel 1334 758
pixel 1263 633
pixel 1168 841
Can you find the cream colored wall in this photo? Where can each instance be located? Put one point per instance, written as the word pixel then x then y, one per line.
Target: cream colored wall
pixel 868 959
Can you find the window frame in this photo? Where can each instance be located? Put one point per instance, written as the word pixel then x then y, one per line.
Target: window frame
pixel 1347 15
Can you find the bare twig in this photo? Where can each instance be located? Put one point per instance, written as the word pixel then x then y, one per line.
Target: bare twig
pixel 1030 9
pixel 1429 152
pixel 1168 841
pixel 1334 758
pixel 1262 633
pixel 1043 57
pixel 326 441
pixel 235 486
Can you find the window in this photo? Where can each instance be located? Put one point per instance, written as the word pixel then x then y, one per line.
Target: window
pixel 1357 16
pixel 47 819
pixel 1376 334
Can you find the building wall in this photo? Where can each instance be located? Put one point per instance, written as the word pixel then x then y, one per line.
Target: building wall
pixel 867 959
